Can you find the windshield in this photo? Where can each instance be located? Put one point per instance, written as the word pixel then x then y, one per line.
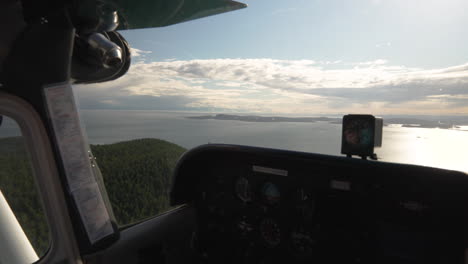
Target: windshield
pixel 237 77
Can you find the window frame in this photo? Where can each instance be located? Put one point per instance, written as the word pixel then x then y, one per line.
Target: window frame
pixel 63 244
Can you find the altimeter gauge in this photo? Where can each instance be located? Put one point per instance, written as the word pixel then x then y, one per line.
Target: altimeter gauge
pixel 243 189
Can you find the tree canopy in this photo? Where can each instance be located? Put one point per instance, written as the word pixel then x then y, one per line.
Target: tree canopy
pixel 137 176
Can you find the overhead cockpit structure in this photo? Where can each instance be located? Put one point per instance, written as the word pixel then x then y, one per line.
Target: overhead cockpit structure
pixel 227 203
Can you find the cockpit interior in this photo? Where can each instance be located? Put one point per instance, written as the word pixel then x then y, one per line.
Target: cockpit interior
pixel 229 203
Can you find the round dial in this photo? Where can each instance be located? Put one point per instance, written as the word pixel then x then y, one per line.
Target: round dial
pixel 243 189
pixel 270 232
pixel 302 242
pixel 300 195
pixel 244 227
pixel 271 193
pixel 304 204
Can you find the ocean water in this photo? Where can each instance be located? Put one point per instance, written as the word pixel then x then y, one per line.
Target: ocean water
pixel 423 146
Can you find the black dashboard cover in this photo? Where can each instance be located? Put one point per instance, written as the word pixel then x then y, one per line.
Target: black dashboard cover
pixel 276 206
pixel 193 165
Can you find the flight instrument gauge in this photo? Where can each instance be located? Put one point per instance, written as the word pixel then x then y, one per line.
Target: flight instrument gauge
pixel 243 189
pixel 244 227
pixel 302 242
pixel 270 232
pixel 271 193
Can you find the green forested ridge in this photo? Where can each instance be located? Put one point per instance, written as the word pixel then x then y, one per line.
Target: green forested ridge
pixel 137 175
pixel 18 186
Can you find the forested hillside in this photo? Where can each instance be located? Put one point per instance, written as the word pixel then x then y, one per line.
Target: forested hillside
pixel 18 186
pixel 137 176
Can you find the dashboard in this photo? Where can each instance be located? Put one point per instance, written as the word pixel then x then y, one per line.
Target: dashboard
pixel 257 205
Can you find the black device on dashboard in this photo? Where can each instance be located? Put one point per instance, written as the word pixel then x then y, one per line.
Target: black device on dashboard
pixel 361 133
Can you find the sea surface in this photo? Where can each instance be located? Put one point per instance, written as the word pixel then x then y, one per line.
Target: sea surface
pixel 433 147
pixel 443 148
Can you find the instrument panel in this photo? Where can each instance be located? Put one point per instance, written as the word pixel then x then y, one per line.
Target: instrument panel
pixel 268 206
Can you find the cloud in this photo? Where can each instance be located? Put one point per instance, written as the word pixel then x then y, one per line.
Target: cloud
pixel 138 53
pixel 373 63
pixel 283 86
pixel 383 44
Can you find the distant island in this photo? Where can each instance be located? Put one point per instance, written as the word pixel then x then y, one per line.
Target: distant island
pixel 423 123
pixel 252 118
pixel 404 122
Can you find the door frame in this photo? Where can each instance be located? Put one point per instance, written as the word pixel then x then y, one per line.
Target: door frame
pixel 63 246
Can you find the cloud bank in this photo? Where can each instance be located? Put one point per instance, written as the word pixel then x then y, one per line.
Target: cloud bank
pixel 283 86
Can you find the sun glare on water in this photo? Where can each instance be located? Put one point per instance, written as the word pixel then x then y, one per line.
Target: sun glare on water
pixel 441 148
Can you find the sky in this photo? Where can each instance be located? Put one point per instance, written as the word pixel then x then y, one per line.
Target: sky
pixel 304 57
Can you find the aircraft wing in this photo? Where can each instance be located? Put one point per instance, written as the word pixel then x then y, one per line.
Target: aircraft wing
pixel 159 13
